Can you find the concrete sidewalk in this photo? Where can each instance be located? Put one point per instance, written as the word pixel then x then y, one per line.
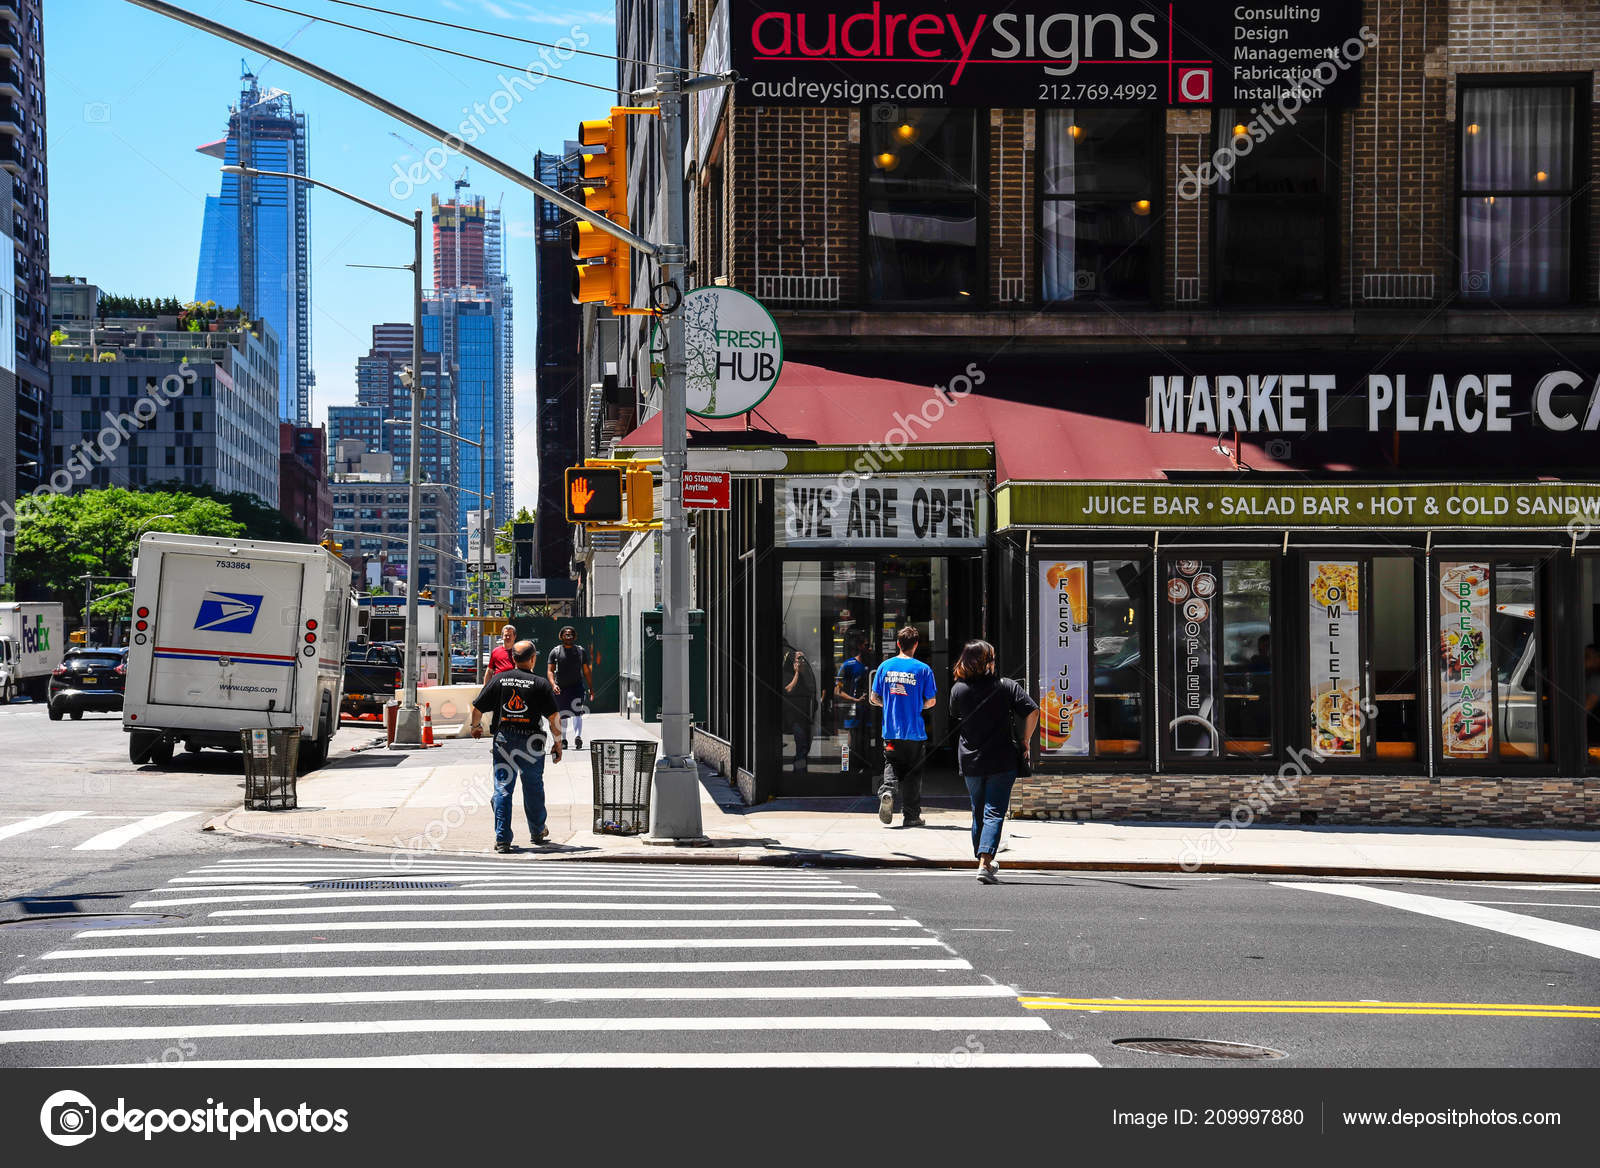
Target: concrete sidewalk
pixel 437 801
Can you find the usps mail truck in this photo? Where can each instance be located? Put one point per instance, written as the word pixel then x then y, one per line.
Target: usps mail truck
pixel 231 635
pixel 30 647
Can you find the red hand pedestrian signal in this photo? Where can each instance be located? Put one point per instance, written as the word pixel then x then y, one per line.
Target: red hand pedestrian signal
pixel 594 494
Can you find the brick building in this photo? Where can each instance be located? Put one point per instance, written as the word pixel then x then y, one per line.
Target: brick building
pixel 303 494
pixel 1220 376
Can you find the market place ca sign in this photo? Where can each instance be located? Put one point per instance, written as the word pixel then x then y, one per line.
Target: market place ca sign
pixel 1297 403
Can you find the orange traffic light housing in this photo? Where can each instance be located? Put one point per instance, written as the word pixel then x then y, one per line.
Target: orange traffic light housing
pixel 594 494
pixel 641 497
pixel 604 272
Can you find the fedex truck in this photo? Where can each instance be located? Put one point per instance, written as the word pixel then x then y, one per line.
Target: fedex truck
pixel 232 635
pixel 30 647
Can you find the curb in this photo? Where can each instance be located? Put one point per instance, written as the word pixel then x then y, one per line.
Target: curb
pixel 742 856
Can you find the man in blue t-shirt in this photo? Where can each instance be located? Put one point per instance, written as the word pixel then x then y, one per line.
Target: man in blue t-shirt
pixel 904 687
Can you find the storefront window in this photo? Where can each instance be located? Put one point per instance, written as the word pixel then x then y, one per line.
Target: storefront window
pixel 922 207
pixel 1099 222
pixel 1217 626
pixel 1093 666
pixel 1519 186
pixel 828 650
pixel 1491 674
pixel 1589 621
pixel 1274 211
pixel 1397 680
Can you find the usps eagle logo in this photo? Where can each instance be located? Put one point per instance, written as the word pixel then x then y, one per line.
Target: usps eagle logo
pixel 227 612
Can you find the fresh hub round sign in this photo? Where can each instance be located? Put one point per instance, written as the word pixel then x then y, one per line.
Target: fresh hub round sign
pixel 733 349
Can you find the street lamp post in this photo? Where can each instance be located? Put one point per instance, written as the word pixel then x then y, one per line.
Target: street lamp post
pixel 408 719
pixel 483 507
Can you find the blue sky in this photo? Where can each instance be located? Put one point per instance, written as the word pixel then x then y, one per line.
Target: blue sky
pixel 131 95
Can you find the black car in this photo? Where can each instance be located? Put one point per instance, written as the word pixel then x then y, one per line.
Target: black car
pixel 88 679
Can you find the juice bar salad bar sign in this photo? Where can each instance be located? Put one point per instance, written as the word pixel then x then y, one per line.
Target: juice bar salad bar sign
pixel 1046 53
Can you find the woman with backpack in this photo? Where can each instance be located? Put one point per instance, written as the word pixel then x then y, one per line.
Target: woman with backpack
pixel 989 750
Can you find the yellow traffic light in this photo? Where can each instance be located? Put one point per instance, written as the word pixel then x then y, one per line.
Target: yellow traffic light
pixel 334 546
pixel 641 496
pixel 594 494
pixel 78 637
pixel 604 273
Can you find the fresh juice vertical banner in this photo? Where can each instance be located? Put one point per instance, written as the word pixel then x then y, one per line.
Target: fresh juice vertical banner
pixel 1064 678
pixel 1466 696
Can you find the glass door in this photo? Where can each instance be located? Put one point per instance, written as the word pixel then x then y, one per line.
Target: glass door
pixel 824 669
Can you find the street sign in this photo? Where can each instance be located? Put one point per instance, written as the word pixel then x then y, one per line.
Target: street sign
pixel 733 349
pixel 708 490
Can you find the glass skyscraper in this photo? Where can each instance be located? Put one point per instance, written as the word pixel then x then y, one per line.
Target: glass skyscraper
pixel 254 250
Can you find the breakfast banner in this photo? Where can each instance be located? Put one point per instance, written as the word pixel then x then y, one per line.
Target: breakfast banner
pixel 1335 659
pixel 1466 688
pixel 1193 626
pixel 1064 677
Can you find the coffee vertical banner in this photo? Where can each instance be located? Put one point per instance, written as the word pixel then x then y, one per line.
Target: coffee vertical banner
pixel 1466 687
pixel 1335 663
pixel 1193 624
pixel 1064 678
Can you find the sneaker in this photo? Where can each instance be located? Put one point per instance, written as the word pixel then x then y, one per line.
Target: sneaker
pixel 499 847
pixel 543 837
pixel 563 744
pixel 578 742
pixel 917 822
pixel 986 875
pixel 886 805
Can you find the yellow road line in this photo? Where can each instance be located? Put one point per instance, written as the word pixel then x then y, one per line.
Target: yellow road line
pixel 1259 1006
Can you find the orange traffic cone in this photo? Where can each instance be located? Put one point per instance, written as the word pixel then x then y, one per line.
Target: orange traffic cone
pixel 427 724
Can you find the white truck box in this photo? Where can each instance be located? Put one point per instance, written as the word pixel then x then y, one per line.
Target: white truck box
pixel 34 644
pixel 231 635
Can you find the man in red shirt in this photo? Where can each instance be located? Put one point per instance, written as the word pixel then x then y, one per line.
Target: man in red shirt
pixel 501 659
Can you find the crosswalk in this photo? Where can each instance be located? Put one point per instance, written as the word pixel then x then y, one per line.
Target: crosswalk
pixel 337 961
pixel 129 828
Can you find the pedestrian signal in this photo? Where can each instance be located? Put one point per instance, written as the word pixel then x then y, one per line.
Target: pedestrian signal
pixel 594 494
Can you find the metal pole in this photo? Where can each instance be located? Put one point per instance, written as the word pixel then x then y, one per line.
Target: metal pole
pixel 675 804
pixel 88 593
pixel 408 719
pixel 483 610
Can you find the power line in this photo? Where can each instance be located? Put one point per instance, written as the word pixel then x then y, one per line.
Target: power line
pixel 430 48
pixel 508 37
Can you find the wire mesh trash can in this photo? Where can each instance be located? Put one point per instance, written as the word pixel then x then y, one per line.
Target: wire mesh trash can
pixel 270 759
pixel 623 769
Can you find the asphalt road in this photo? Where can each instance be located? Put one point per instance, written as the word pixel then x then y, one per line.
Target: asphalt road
pixel 68 784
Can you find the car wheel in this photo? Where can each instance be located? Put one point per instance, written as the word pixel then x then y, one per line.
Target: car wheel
pixel 55 712
pixel 77 715
pixel 192 748
pixel 161 755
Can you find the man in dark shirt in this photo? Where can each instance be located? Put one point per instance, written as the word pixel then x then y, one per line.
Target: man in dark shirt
pixel 517 699
pixel 799 704
pixel 572 677
pixel 850 692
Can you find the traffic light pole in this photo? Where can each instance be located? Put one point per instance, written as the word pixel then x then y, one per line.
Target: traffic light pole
pixel 675 802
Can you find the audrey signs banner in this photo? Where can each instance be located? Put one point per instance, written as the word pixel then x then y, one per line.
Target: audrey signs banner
pixel 1046 53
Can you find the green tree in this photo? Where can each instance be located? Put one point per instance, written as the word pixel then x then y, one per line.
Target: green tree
pixel 63 537
pixel 257 519
pixel 502 537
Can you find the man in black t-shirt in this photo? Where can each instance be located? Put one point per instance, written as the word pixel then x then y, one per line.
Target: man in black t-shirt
pixel 572 677
pixel 517 699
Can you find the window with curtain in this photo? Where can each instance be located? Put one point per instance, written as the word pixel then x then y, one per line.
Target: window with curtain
pixel 922 208
pixel 1274 211
pixel 1519 185
pixel 1099 218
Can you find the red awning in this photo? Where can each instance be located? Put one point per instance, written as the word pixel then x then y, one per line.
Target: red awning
pixel 1034 439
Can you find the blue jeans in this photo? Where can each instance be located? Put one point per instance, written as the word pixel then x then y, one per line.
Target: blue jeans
pixel 990 795
pixel 516 756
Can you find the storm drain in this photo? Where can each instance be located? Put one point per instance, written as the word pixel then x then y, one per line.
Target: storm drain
pixel 1201 1048
pixel 378 885
pixel 87 921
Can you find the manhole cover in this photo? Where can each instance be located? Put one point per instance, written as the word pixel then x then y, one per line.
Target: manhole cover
pixel 380 885
pixel 87 921
pixel 1205 1048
